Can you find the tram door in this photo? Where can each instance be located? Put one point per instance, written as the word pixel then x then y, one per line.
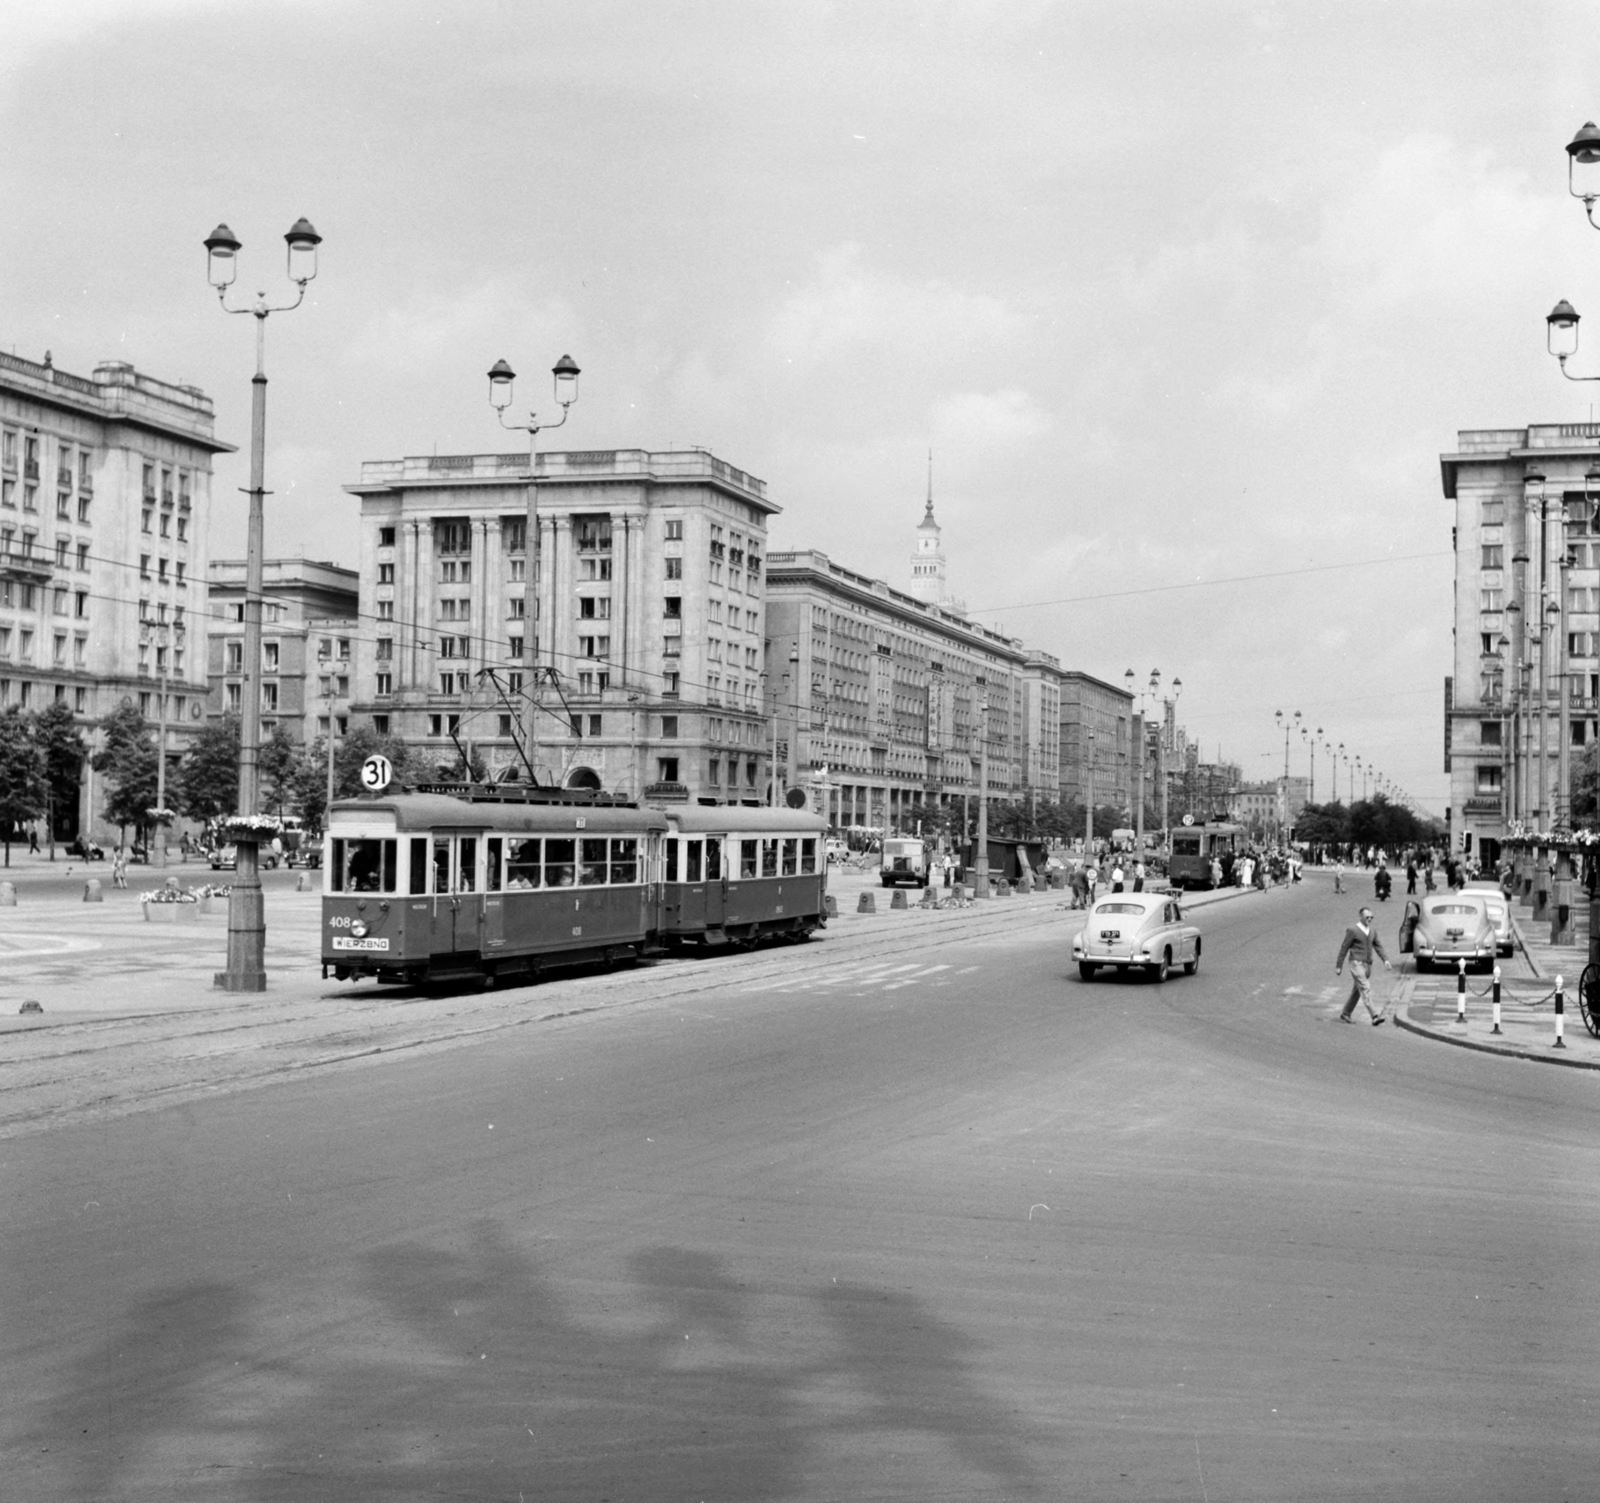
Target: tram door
pixel 454 890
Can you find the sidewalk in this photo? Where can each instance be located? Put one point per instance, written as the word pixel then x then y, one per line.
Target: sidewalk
pixel 1527 1006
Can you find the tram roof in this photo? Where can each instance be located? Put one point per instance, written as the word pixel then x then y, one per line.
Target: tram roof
pixel 429 811
pixel 705 819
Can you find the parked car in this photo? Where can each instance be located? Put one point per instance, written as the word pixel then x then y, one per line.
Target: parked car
pixel 226 858
pixel 1499 912
pixel 1137 931
pixel 1455 926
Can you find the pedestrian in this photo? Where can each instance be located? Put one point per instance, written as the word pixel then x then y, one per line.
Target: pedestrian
pixel 1216 872
pixel 1361 943
pixel 1116 877
pixel 1411 878
pixel 119 869
pixel 1138 876
pixel 33 840
pixel 1091 875
pixel 1338 875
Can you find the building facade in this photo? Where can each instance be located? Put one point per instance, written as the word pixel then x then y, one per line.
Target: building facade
pixel 105 502
pixel 1096 720
pixel 882 697
pixel 1523 696
pixel 641 588
pixel 309 627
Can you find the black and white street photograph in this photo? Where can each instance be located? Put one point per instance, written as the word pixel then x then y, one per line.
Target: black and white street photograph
pixel 799 753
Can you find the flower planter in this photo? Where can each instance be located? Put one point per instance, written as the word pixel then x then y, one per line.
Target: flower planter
pixel 171 913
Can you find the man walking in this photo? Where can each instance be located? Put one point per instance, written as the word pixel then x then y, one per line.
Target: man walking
pixel 1361 942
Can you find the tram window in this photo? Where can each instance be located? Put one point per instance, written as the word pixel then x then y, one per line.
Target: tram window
pixel 592 869
pixel 691 860
pixel 441 864
pixel 491 854
pixel 808 856
pixel 625 860
pixel 748 857
pixel 363 866
pixel 390 867
pixel 713 860
pixel 336 874
pixel 1185 845
pixel 672 860
pixel 769 858
pixel 791 854
pixel 522 867
pixel 467 867
pixel 560 863
pixel 419 866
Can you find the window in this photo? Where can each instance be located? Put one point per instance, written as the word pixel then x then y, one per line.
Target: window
pixel 269 698
pixel 447 647
pixel 714 771
pixel 58 650
pixel 183 528
pixel 517 607
pixel 1493 513
pixel 145 518
pixel 385 573
pixel 452 537
pixel 64 506
pixel 144 573
pixel 1581 644
pixel 8 493
pixel 166 524
pixel 385 683
pixel 674 568
pixel 1579 599
pixel 594 607
pixel 595 723
pixel 235 698
pixel 183 568
pixel 518 570
pixel 674 533
pixel 585 686
pixel 80 701
pixel 672 647
pixel 269 656
pixel 666 769
pixel 83 558
pixel 436 725
pixel 593 535
pixel 30 502
pixel 384 649
pixel 1489 600
pixel 669 727
pixel 380 723
pixel 161 570
pixel 750 774
pixel 514 534
pixel 1488 778
pixel 669 685
pixel 235 657
pixel 386 610
pixel 447 683
pixel 80 604
pixel 505 726
pixel 749 858
pixel 514 649
pixel 386 537
pixel 1489 732
pixel 672 608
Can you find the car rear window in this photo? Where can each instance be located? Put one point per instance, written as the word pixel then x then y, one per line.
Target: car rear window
pixel 1119 908
pixel 1452 908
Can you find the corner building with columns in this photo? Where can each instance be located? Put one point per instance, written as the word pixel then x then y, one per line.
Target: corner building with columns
pixel 642 587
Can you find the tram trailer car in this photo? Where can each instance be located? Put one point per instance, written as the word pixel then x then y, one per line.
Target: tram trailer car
pixel 429 886
pixel 736 874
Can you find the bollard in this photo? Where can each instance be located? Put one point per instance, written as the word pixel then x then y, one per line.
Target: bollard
pixel 8 894
pixel 1461 992
pixel 930 899
pixel 1002 888
pixel 898 898
pixel 1561 1014
pixel 867 903
pixel 1496 1028
pixel 91 891
pixel 830 905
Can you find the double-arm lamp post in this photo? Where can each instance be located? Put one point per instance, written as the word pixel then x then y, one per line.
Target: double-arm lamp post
pixel 1288 722
pixel 565 373
pixel 247 930
pixel 1140 737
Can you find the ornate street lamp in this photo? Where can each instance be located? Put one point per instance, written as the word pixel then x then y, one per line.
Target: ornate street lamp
pixel 246 965
pixel 565 376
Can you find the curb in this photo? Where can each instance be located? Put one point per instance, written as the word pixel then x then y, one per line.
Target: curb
pixel 1480 1047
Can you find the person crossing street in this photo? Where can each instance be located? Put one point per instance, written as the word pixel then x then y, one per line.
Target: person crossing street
pixel 1361 943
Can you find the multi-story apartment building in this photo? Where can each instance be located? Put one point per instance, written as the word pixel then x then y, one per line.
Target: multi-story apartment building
pixel 881 695
pixel 1524 693
pixel 641 589
pixel 1096 718
pixel 1267 808
pixel 309 628
pixel 105 498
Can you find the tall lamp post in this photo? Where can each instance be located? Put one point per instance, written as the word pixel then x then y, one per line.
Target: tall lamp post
pixel 980 865
pixel 565 373
pixel 1288 722
pixel 1153 688
pixel 158 854
pixel 325 667
pixel 1165 742
pixel 247 930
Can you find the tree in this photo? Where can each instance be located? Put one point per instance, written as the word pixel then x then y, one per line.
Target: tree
pixel 22 774
pixel 132 775
pixel 1586 788
pixel 63 750
pixel 278 764
pixel 121 728
pixel 310 784
pixel 208 780
pixel 1323 824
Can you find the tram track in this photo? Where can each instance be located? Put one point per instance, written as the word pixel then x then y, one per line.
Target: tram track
pixel 96 1068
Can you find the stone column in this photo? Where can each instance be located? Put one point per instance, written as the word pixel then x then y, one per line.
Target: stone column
pixel 1562 929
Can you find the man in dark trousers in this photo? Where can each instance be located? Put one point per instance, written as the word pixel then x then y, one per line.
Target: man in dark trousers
pixel 1361 943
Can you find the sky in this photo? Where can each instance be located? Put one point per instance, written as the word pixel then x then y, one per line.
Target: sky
pixel 1185 298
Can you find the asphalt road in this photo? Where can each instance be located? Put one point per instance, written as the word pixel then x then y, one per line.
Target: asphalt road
pixel 946 1225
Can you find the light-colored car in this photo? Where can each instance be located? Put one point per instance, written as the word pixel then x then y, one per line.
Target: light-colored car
pixel 1499 912
pixel 1455 926
pixel 225 858
pixel 1137 930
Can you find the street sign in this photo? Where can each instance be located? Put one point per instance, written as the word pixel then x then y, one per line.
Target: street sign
pixel 376 774
pixel 1188 819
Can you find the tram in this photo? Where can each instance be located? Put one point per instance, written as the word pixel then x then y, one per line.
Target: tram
pixel 1194 847
pixel 434 885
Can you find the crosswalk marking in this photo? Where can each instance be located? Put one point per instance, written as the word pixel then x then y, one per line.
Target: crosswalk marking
pixel 880 974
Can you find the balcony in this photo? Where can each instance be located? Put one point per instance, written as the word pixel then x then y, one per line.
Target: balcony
pixel 30 568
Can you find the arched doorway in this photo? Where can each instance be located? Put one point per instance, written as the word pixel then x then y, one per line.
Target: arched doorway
pixel 583 777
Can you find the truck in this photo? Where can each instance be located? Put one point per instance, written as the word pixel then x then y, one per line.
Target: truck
pixel 906 861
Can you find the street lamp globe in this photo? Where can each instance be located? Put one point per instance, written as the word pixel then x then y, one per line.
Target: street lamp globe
pixel 565 371
pixel 222 256
pixel 1583 162
pixel 1561 330
pixel 500 378
pixel 303 241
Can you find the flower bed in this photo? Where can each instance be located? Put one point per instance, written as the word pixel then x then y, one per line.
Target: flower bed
pixel 174 905
pixel 257 828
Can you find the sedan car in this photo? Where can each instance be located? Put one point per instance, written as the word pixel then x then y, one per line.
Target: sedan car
pixel 1137 930
pixel 226 858
pixel 1499 912
pixel 1455 926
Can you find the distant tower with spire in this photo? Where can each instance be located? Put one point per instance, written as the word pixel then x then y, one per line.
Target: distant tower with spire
pixel 928 577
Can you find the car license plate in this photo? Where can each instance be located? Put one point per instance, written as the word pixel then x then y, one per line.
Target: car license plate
pixel 1111 934
pixel 345 942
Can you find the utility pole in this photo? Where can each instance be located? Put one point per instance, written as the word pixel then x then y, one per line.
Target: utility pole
pixel 980 867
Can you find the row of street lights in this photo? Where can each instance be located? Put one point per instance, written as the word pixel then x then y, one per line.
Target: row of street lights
pixel 1372 781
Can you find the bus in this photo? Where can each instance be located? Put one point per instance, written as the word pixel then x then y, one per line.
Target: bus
pixel 1195 847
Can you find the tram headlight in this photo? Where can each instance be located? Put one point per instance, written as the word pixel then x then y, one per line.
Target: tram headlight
pixel 358 929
